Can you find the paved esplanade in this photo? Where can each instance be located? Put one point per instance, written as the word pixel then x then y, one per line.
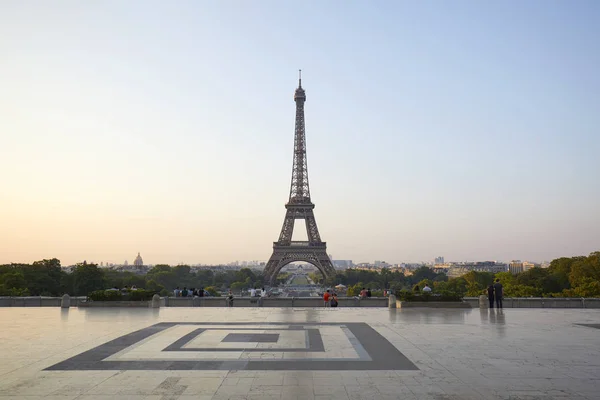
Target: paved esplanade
pixel 261 353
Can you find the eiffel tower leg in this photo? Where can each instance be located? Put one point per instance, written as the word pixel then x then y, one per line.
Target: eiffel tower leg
pixel 271 269
pixel 285 255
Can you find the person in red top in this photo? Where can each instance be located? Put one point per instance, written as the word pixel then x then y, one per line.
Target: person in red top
pixel 326 298
pixel 363 293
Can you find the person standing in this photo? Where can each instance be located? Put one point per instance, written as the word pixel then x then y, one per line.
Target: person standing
pixel 326 298
pixel 490 291
pixel 498 293
pixel 334 300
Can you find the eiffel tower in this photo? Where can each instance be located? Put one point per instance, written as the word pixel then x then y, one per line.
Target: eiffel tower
pixel 299 206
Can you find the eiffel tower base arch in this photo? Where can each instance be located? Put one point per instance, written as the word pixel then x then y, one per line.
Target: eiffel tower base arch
pixel 283 255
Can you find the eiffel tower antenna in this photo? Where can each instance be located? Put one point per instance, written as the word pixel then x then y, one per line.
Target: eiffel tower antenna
pixel 299 206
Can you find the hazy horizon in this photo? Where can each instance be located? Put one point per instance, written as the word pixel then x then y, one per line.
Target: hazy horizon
pixel 463 129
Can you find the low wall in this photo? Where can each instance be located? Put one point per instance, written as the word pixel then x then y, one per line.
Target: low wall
pixel 142 304
pixel 271 302
pixel 37 301
pixel 432 304
pixel 525 302
pixel 541 302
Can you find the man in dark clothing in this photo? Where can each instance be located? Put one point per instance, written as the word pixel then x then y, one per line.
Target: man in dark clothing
pixel 369 292
pixel 490 290
pixel 498 293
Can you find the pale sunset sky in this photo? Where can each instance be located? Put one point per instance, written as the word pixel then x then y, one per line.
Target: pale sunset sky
pixel 465 129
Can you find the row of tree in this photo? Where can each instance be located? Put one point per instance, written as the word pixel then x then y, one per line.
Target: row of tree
pixel 565 277
pixel 47 278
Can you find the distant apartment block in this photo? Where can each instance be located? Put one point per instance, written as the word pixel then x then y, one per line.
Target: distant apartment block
pixel 439 260
pixel 459 269
pixel 342 264
pixel 518 266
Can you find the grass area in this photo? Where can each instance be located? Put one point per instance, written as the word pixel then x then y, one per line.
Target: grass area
pixel 299 280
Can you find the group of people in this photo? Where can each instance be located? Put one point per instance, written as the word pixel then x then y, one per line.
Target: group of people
pixel 495 293
pixel 330 299
pixel 255 292
pixel 364 293
pixel 192 292
pixel 260 293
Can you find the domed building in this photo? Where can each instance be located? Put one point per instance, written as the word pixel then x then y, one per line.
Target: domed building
pixel 138 262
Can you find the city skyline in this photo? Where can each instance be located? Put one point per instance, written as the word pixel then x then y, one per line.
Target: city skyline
pixel 463 129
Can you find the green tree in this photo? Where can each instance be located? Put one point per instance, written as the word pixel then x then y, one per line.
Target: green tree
pixel 585 270
pixel 13 280
pixel 44 277
pixel 245 273
pixel 560 268
pixel 354 290
pixel 457 285
pixel 213 291
pixel 477 282
pixel 423 273
pixel 373 285
pixel 155 287
pixel 424 282
pixel 236 287
pixel 87 278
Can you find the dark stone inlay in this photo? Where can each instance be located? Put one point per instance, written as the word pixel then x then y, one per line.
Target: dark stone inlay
pixel 383 354
pixel 315 342
pixel 597 326
pixel 252 337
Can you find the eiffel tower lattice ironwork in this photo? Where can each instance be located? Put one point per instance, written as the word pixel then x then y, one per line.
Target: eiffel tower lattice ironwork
pixel 299 206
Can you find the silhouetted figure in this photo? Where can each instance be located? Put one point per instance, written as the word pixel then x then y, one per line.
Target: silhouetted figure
pixel 229 299
pixel 334 300
pixel 369 292
pixel 498 293
pixel 490 291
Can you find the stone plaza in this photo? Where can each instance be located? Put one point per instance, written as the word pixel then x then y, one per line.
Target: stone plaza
pixel 299 353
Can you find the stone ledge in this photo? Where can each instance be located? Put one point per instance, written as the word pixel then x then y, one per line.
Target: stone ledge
pixel 432 304
pixel 143 304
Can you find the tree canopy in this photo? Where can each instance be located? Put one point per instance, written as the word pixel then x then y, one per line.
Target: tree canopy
pixel 565 277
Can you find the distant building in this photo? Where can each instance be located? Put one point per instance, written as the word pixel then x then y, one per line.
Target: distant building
pixel 138 262
pixel 439 260
pixel 515 267
pixel 342 264
pixel 528 265
pixel 460 269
